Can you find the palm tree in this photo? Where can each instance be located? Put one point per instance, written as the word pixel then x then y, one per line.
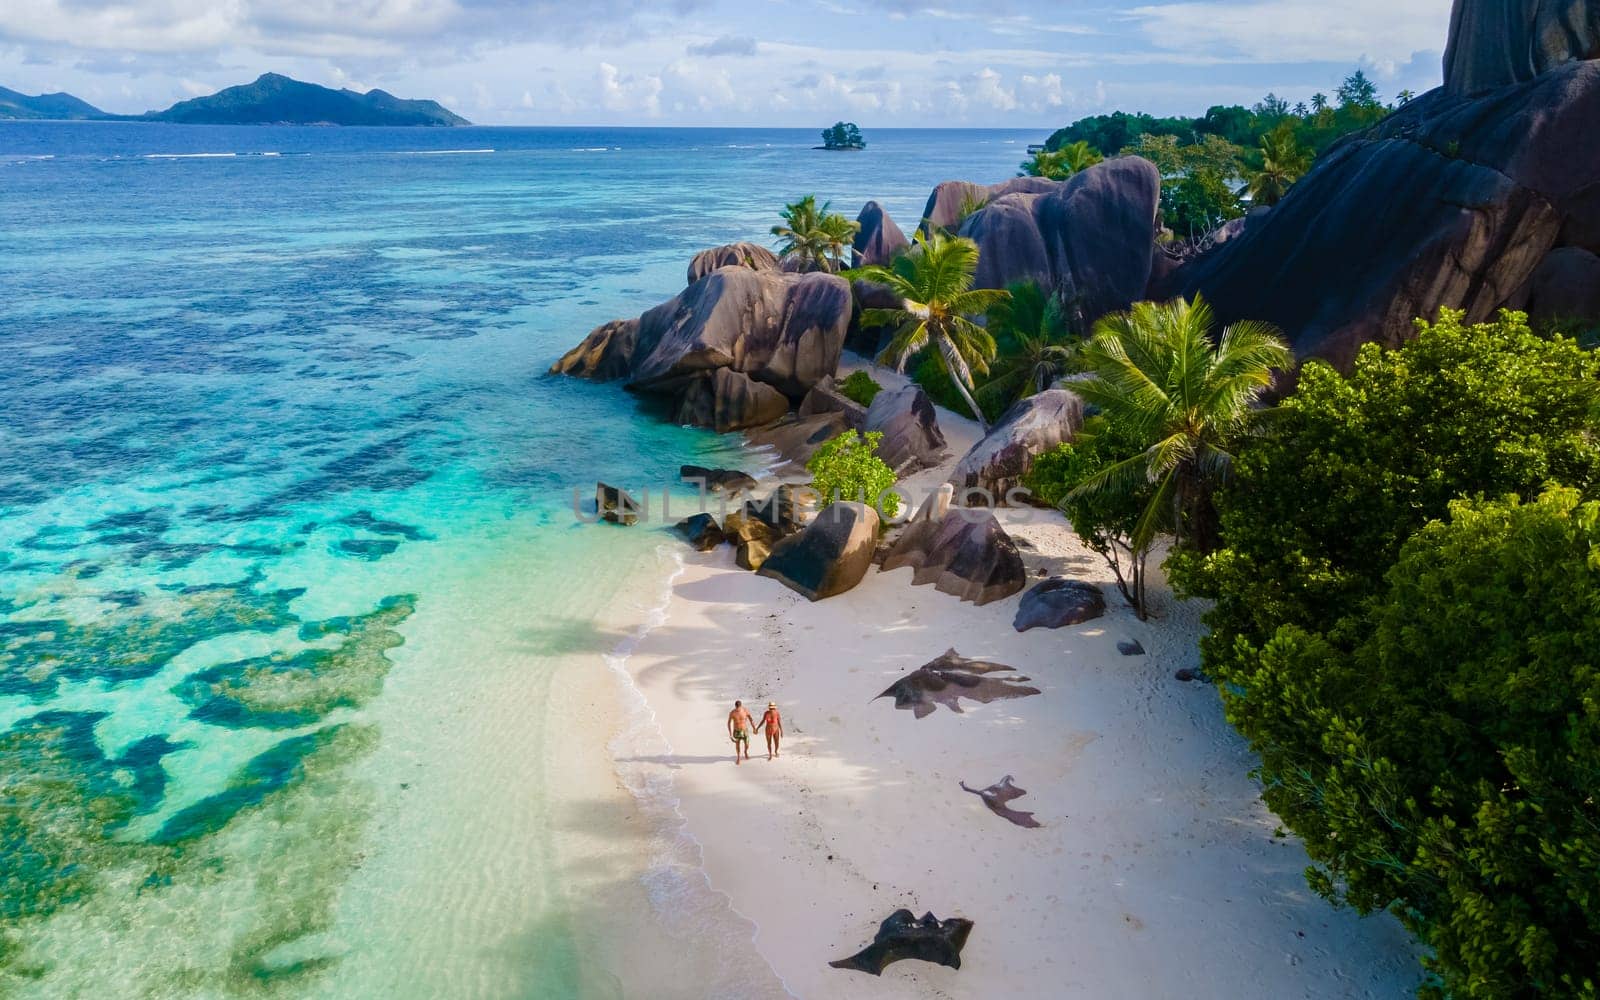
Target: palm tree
pixel 1079 156
pixel 1319 101
pixel 1156 372
pixel 838 234
pixel 1062 163
pixel 1032 331
pixel 1405 97
pixel 1283 160
pixel 933 281
pixel 814 235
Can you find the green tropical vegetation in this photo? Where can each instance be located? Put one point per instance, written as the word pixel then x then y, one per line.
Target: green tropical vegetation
pixel 815 236
pixel 1209 164
pixel 1059 164
pixel 848 468
pixel 1157 374
pixel 1107 520
pixel 860 387
pixel 843 135
pixel 1406 626
pixel 933 280
pixel 1034 345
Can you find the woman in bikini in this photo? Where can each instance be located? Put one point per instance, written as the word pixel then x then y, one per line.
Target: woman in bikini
pixel 772 722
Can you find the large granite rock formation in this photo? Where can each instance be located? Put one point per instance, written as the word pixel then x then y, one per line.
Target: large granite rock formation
pixel 752 255
pixel 906 418
pixel 794 439
pixel 1453 200
pixel 604 355
pixel 1565 285
pixel 726 400
pixel 965 553
pixel 784 331
pixel 830 556
pixel 1088 238
pixel 1496 42
pixel 903 935
pixel 1027 430
pixel 825 397
pixel 950 201
pixel 878 239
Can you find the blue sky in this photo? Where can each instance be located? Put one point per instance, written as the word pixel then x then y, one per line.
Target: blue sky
pixel 882 63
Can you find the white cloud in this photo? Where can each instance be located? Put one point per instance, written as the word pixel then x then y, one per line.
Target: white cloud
pixel 1289 31
pixel 628 93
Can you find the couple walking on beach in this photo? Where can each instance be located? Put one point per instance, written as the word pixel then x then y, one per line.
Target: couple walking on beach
pixel 740 723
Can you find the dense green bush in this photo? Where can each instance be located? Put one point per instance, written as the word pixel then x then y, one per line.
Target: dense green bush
pixel 1104 519
pixel 848 468
pixel 1440 752
pixel 860 387
pixel 1416 665
pixel 1318 508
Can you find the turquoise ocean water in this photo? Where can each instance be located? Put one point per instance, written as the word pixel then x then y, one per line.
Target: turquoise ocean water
pixel 287 554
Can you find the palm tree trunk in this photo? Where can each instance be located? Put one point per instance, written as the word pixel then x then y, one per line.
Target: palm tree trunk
pixel 961 375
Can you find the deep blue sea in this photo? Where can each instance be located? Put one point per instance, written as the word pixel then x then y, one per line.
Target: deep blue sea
pixel 287 557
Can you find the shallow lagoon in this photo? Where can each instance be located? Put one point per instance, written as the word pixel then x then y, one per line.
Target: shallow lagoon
pixel 287 562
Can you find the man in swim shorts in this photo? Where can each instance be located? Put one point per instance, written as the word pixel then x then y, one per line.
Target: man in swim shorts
pixel 772 722
pixel 739 725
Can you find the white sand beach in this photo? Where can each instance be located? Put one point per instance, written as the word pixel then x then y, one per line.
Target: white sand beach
pixel 1156 871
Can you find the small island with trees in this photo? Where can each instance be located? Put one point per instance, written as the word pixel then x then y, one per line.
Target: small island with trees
pixel 843 135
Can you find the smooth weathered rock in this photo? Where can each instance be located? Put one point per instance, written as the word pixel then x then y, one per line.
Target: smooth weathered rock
pixel 752 553
pixel 1027 430
pixel 794 439
pixel 910 427
pixel 616 506
pixel 726 400
pixel 1057 603
pixel 825 397
pixel 717 480
pixel 751 537
pixel 701 531
pixel 1449 201
pixel 951 201
pixel 878 239
pixel 998 796
pixel 1497 42
pixel 904 936
pixel 869 340
pixel 779 510
pixel 750 255
pixel 830 556
pixel 605 354
pixel 1565 286
pixel 966 554
pixel 1087 239
pixel 952 677
pixel 784 330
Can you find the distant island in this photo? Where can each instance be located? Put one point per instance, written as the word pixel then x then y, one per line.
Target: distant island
pixel 843 135
pixel 57 107
pixel 273 99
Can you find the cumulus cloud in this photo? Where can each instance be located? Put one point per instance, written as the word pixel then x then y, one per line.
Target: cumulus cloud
pixel 727 45
pixel 626 92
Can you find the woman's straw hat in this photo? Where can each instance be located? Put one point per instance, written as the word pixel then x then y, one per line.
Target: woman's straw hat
pixel 772 704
